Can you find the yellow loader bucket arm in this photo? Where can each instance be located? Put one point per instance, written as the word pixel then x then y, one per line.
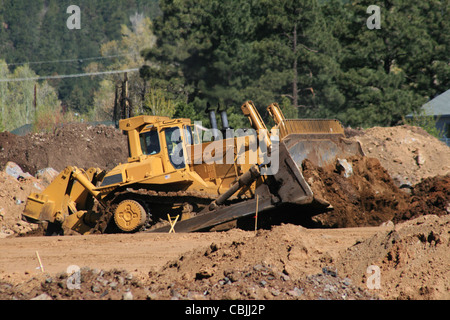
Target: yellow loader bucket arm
pixel 69 198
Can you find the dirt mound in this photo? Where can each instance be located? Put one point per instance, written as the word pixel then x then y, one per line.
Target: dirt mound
pixel 13 195
pixel 286 263
pixel 366 198
pixel 408 153
pixel 369 197
pixel 280 264
pixel 430 197
pixel 78 145
pixel 84 284
pixel 413 258
pixel 277 264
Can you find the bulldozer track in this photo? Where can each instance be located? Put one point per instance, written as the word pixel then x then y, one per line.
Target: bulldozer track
pixel 147 197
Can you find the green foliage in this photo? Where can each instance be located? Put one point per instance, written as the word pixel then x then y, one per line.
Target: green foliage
pixel 427 122
pixel 319 55
pixel 156 104
pixel 36 31
pixel 315 58
pixel 388 73
pixel 20 106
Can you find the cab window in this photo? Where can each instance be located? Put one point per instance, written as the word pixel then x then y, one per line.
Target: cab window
pixel 188 136
pixel 175 147
pixel 150 143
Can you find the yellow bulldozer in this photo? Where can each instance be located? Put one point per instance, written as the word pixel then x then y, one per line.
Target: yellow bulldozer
pixel 207 185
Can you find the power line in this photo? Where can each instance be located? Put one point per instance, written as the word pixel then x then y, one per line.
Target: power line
pixel 69 60
pixel 79 75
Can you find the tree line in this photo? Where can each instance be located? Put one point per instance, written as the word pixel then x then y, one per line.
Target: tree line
pixel 316 58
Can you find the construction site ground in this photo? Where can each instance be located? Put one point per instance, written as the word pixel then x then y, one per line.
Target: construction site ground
pixel 390 223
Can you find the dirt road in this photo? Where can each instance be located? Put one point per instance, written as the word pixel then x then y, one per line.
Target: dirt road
pixel 287 262
pixel 138 253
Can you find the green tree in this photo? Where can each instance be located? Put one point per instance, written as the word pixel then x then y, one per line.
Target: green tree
pixel 231 51
pixel 18 105
pixel 36 31
pixel 388 73
pixel 127 53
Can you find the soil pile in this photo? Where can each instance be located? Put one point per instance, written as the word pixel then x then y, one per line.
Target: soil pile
pixel 369 197
pixel 431 196
pixel 281 264
pixel 77 145
pixel 408 153
pixel 286 263
pixel 413 258
pixel 83 284
pixel 278 264
pixel 13 196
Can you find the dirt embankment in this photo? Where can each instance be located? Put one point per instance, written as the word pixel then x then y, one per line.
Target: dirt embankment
pixel 409 154
pixel 413 259
pixel 77 145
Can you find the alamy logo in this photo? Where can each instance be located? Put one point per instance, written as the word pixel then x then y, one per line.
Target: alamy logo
pixel 74 279
pixel 74 21
pixel 374 21
pixel 251 147
pixel 374 279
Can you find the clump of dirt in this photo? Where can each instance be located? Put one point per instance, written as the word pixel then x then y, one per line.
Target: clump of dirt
pixel 274 265
pixel 413 260
pixel 431 196
pixel 408 153
pixel 368 197
pixel 78 145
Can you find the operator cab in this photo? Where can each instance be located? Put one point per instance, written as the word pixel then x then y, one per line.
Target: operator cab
pixel 150 136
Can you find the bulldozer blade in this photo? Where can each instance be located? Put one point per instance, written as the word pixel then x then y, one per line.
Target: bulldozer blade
pixel 320 149
pixel 221 215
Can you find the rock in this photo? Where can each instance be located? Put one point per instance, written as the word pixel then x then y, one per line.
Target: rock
pixel 329 288
pixel 43 296
pixel 388 224
pixel 47 175
pixel 296 292
pixel 113 285
pixel 347 282
pixel 95 288
pixel 4 235
pixel 275 292
pixel 344 168
pixel 231 275
pixel 204 273
pixel 402 182
pixel 419 157
pixel 152 296
pixel 129 277
pixel 330 271
pixel 127 296
pixel 15 171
